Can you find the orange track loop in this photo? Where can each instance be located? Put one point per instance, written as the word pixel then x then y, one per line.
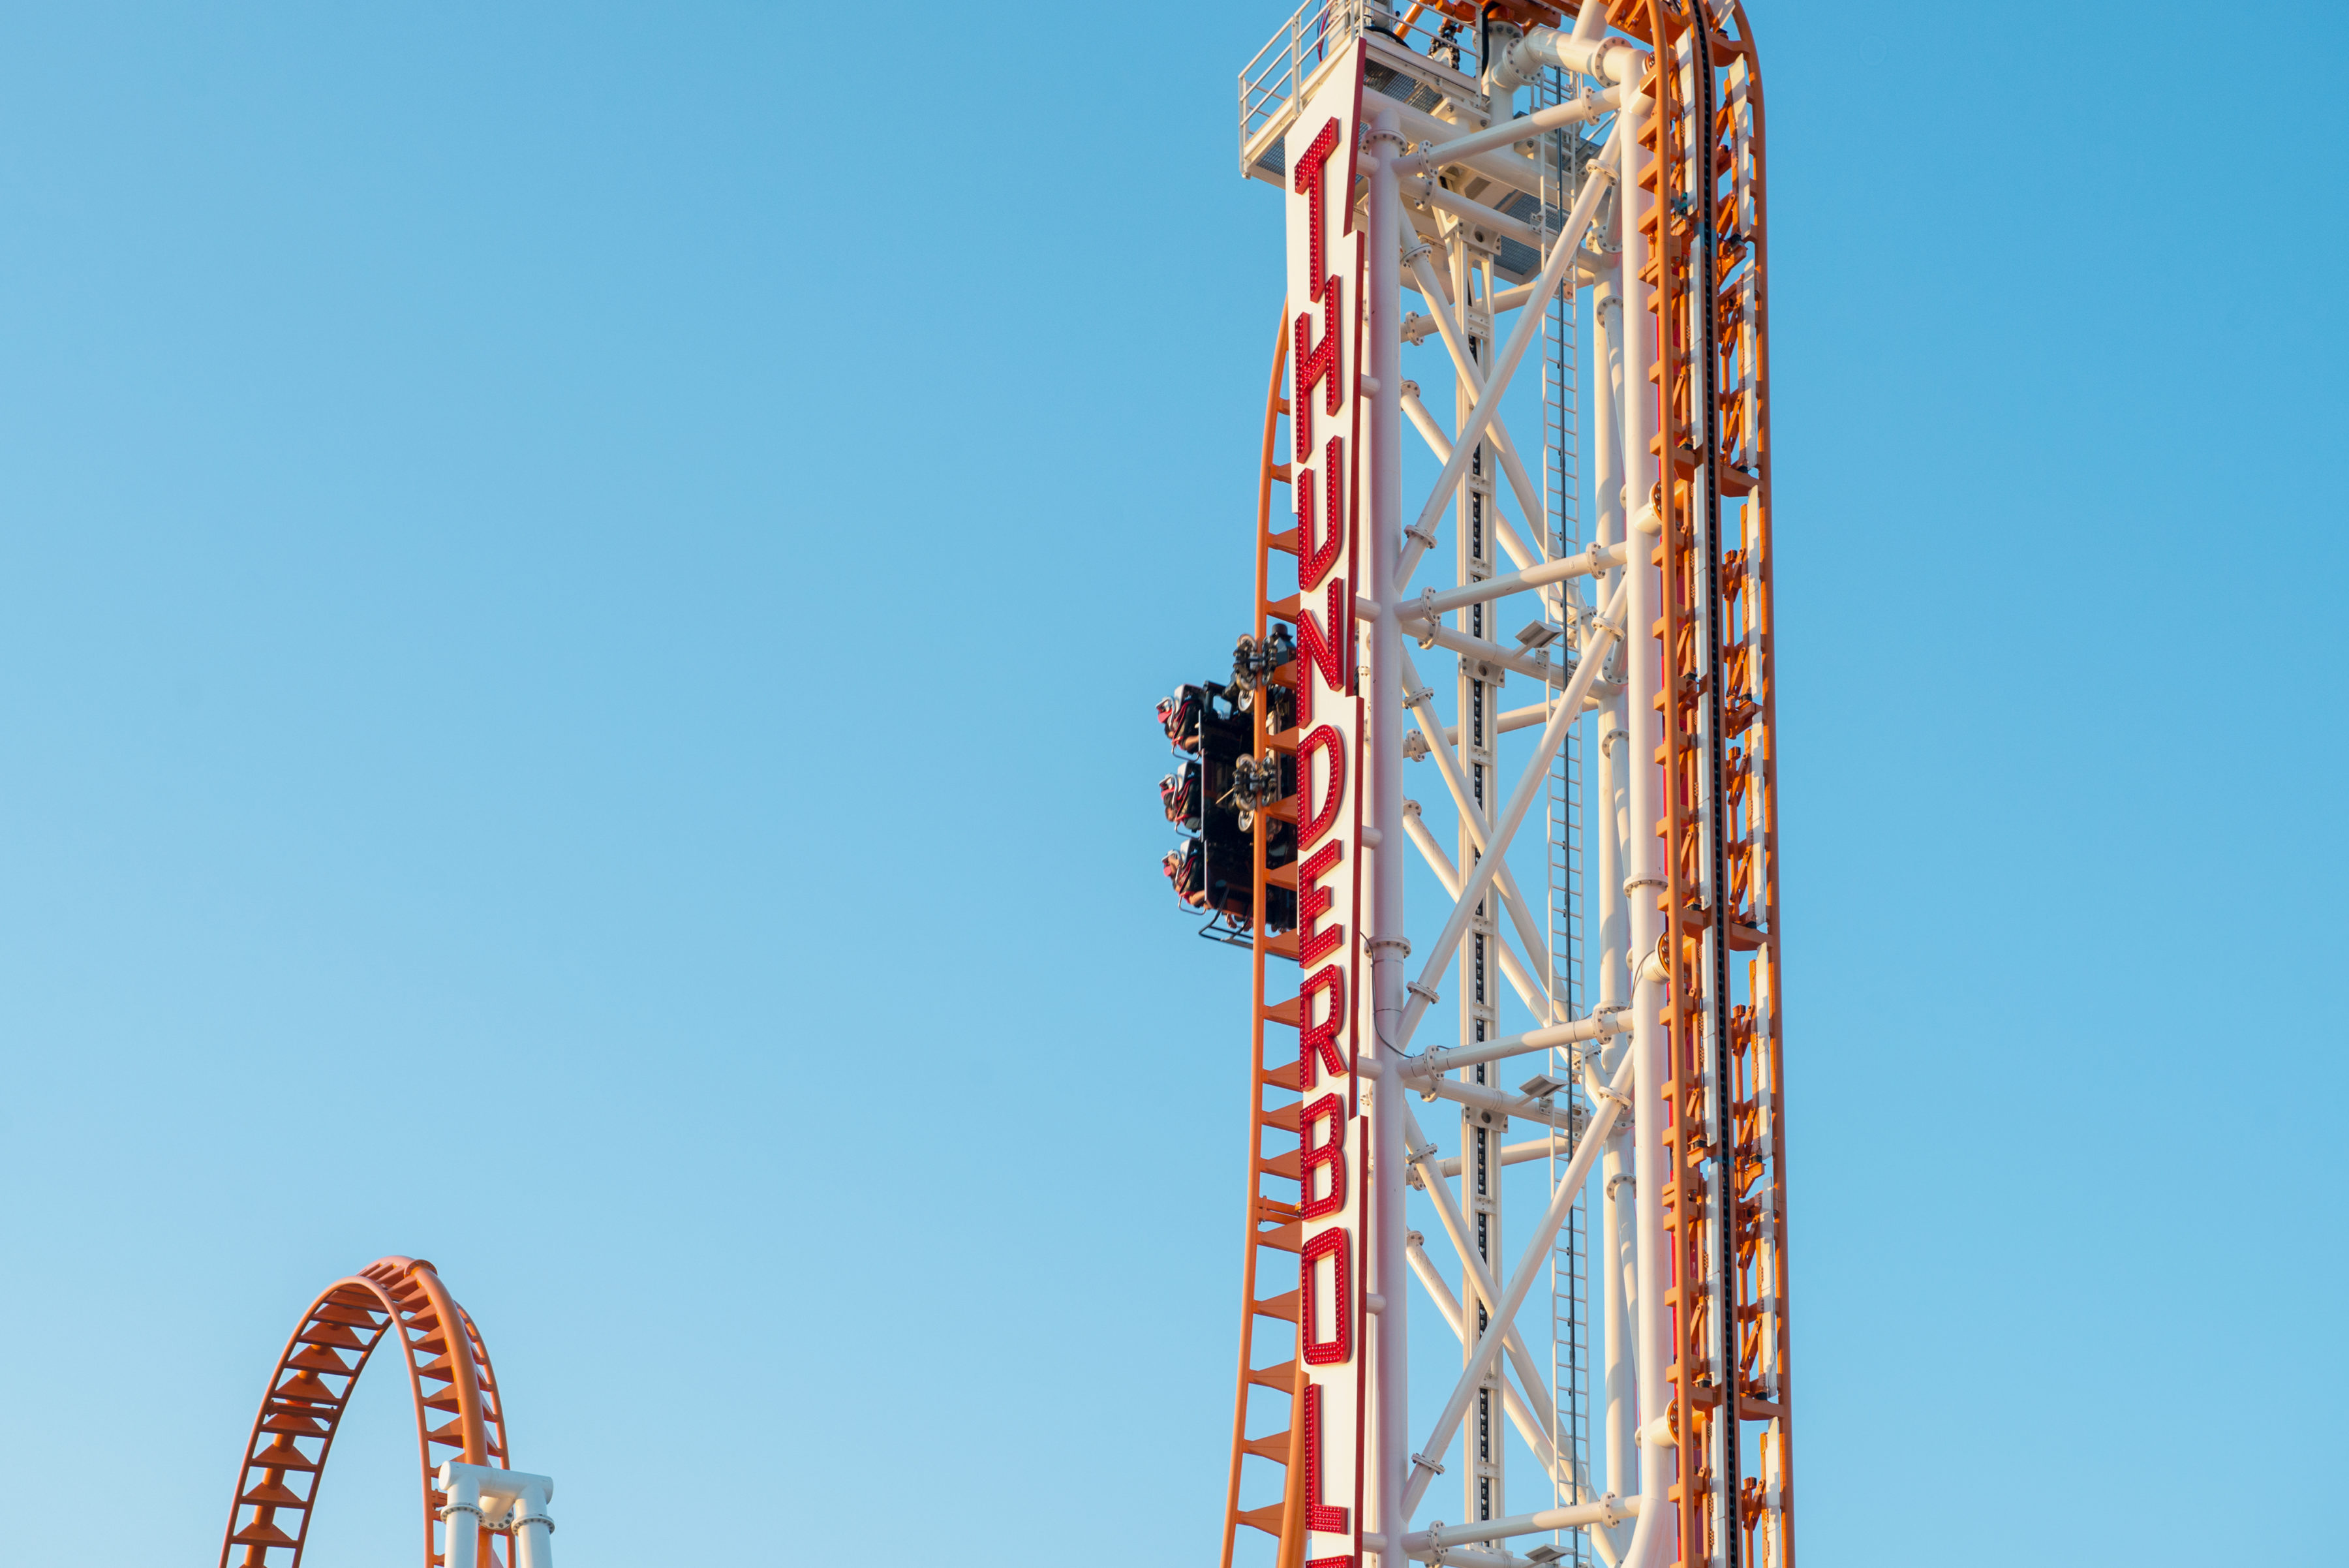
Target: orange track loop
pixel 278 1485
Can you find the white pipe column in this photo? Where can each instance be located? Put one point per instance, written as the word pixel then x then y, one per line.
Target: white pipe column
pixel 1381 530
pixel 1606 381
pixel 1615 1227
pixel 1644 878
pixel 533 1531
pixel 460 1519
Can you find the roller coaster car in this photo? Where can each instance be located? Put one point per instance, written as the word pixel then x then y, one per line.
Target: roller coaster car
pixel 1214 871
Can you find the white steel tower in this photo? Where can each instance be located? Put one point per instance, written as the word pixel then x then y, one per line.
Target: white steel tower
pixel 1525 252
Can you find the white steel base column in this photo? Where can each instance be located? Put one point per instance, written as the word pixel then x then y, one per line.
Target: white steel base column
pixel 510 1501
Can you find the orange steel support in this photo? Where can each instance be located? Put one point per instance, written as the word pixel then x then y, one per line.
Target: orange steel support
pixel 1272 1220
pixel 1726 1210
pixel 278 1483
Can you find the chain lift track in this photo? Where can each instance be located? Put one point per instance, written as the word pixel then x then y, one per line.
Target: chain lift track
pixel 1621 196
pixel 449 1375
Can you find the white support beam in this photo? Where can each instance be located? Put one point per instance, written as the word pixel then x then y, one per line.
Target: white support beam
pixel 1532 990
pixel 1512 1154
pixel 1466 1557
pixel 1512 169
pixel 1587 52
pixel 1534 667
pixel 1593 267
pixel 1516 661
pixel 1509 132
pixel 1443 601
pixel 1387 1352
pixel 1428 194
pixel 1528 717
pixel 1523 1108
pixel 1417 255
pixel 1608 1510
pixel 1435 1064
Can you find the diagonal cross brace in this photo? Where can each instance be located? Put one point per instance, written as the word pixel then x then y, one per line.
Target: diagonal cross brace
pixel 1534 995
pixel 1489 1344
pixel 1472 816
pixel 1605 630
pixel 1488 399
pixel 1521 551
pixel 1478 1286
pixel 1521 1416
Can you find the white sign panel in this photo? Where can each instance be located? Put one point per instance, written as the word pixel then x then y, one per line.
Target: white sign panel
pixel 1325 301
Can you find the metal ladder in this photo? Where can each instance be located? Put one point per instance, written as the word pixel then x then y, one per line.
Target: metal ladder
pixel 1569 1274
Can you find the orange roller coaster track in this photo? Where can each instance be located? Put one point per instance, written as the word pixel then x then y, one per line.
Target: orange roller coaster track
pixel 447 1374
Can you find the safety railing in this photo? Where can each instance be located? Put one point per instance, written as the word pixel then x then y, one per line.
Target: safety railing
pixel 1269 83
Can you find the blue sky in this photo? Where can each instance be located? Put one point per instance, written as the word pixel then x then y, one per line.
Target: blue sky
pixel 580 594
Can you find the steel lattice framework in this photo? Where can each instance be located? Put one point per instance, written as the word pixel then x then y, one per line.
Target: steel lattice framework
pixel 399 1300
pixel 1582 190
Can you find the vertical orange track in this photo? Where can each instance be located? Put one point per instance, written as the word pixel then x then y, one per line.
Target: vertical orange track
pixel 1726 1130
pixel 1271 1221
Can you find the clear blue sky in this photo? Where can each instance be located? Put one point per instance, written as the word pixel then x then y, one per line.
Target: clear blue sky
pixel 580 593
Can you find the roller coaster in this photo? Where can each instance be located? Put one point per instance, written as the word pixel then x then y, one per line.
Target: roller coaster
pixel 1575 195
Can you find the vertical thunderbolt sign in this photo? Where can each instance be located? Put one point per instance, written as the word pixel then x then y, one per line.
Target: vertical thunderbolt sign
pixel 1325 302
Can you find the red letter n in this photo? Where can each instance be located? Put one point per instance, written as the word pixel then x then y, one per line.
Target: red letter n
pixel 1322 657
